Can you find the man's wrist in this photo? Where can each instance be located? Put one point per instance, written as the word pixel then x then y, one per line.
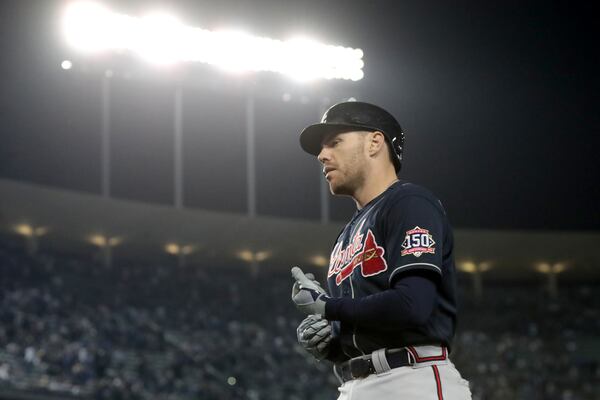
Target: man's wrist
pixel 331 308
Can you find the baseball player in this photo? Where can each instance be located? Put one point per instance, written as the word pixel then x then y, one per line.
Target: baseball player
pixel 389 315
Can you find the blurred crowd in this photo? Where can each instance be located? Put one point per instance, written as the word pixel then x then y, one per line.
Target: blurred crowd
pixel 519 343
pixel 71 327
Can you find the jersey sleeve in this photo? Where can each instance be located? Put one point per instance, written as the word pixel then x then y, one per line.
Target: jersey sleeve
pixel 413 236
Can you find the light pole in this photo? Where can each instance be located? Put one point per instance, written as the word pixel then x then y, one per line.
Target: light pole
pixel 178 148
pixel 105 129
pixel 324 186
pixel 250 156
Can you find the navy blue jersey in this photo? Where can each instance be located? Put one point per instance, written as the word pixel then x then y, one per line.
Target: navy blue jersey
pixel 402 231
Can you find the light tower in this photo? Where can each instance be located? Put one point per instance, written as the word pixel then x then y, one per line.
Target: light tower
pixel 31 235
pixel 105 245
pixel 551 271
pixel 476 269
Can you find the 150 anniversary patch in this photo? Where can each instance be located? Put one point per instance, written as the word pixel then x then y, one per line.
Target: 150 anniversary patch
pixel 418 241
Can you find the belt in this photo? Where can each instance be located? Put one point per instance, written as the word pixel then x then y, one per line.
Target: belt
pixel 361 367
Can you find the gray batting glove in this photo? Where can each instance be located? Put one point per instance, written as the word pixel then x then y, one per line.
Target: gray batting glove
pixel 311 276
pixel 314 334
pixel 308 295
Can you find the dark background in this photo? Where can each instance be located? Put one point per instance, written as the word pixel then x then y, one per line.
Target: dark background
pixel 498 101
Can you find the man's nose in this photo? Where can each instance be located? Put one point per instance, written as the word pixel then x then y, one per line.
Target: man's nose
pixel 323 155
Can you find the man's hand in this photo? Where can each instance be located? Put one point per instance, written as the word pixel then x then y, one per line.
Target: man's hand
pixel 307 294
pixel 314 334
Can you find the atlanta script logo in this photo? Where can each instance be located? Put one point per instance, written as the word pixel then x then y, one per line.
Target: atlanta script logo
pixel 366 254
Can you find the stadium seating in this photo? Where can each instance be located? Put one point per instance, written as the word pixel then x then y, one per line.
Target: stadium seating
pixel 72 328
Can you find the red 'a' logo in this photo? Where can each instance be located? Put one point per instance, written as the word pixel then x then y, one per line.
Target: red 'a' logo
pixel 369 258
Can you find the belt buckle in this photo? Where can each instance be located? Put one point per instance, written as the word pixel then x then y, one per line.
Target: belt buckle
pixel 360 368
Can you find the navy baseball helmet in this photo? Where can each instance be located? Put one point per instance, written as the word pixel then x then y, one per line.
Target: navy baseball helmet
pixel 352 116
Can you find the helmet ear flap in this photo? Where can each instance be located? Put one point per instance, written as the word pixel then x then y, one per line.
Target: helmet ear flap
pixel 396 148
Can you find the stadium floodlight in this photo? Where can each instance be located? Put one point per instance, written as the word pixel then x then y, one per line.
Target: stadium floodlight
pixel 468 266
pixel 250 256
pixel 319 261
pixel 471 267
pixel 176 249
pixel 103 241
pixel 547 268
pixel 30 231
pixel 24 230
pixel 163 39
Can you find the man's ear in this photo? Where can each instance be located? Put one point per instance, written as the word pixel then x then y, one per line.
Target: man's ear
pixel 376 142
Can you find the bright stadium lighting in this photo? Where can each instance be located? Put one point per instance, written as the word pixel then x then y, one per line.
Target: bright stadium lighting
pixel 87 26
pixel 471 267
pixel 30 231
pixel 40 230
pixel 250 256
pixel 162 39
pixel 176 249
pixel 66 64
pixel 262 255
pixel 559 267
pixel 485 266
pixel 97 240
pixel 24 230
pixel 246 255
pixel 467 266
pixel 104 241
pixel 115 241
pixel 319 261
pixel 547 268
pixel 172 248
pixel 158 38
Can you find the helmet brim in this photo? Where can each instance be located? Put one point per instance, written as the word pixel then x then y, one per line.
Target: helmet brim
pixel 312 137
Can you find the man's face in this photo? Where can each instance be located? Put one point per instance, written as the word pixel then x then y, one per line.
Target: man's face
pixel 344 161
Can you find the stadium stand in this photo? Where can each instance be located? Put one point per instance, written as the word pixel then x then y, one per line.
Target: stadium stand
pixel 72 328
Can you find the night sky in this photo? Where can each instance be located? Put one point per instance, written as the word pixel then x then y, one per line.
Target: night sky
pixel 499 103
